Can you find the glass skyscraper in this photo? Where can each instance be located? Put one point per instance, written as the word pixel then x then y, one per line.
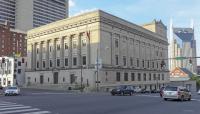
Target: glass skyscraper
pixel 28 14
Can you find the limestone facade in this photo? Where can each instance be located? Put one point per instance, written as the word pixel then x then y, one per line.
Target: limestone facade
pixel 66 53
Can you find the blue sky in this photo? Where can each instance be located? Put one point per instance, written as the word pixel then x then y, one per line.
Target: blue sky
pixel 144 11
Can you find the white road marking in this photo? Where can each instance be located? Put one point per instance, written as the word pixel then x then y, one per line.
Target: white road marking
pixel 12 108
pixel 17 111
pixel 40 112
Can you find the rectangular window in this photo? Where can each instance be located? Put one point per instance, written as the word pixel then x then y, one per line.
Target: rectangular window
pixel 37 50
pixel 132 77
pixel 143 63
pixel 84 42
pixel 144 77
pixel 152 64
pixel 116 60
pixel 118 76
pixel 138 63
pixel 66 61
pixel 158 76
pixel 58 62
pixel 148 64
pixel 66 46
pixel 50 63
pixel 149 76
pixel 157 64
pixel 43 64
pixel 74 61
pixel 74 44
pixel 125 76
pixel 58 47
pixel 19 63
pixel 37 64
pixel 124 60
pixel 131 61
pixel 49 48
pixel 163 77
pixel 154 76
pixel 116 43
pixel 84 60
pixel 19 71
pixel 139 77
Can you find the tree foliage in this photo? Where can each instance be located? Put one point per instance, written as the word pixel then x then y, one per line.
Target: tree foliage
pixel 197 79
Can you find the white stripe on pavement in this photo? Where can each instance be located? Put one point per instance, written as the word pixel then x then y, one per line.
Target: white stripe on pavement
pixel 12 108
pixel 40 112
pixel 3 104
pixel 17 111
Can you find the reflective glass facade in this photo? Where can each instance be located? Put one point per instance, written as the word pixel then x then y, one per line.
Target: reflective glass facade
pixel 7 12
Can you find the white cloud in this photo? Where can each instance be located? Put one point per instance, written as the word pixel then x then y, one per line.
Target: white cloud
pixel 84 11
pixel 72 3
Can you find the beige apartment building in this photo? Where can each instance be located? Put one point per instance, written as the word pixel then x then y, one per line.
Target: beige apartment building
pixel 98 51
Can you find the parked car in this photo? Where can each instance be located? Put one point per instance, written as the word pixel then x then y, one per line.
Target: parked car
pixel 12 90
pixel 137 89
pixel 123 90
pixel 198 92
pixel 179 93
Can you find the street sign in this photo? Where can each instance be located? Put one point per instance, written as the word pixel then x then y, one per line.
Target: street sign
pixel 180 58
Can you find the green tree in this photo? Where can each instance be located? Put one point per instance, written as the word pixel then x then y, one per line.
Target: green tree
pixel 197 79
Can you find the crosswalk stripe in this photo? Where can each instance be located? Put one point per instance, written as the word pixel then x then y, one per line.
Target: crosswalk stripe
pixel 3 104
pixel 40 112
pixel 12 108
pixel 17 111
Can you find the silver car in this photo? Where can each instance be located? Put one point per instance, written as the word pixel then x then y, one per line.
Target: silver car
pixel 13 90
pixel 179 93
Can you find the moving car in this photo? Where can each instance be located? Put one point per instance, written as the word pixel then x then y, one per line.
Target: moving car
pixel 123 90
pixel 12 90
pixel 198 92
pixel 179 93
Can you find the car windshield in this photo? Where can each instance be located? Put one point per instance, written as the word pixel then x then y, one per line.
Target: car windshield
pixel 171 89
pixel 12 87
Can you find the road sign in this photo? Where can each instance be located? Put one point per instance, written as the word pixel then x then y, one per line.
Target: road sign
pixel 180 58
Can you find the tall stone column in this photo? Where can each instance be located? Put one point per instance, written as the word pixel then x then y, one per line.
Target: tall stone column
pixel 40 55
pixel 70 52
pixel 47 54
pixel 62 53
pixel 79 50
pixel 54 53
pixel 34 55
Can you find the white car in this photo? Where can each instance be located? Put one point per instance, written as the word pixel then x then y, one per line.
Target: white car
pixel 198 92
pixel 13 90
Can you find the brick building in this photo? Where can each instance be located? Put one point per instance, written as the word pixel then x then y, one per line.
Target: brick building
pixel 12 41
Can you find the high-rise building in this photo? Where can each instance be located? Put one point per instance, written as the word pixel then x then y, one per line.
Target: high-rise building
pixel 7 12
pixel 28 14
pixel 182 44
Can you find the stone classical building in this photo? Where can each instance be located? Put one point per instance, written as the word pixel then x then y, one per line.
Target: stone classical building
pixel 95 50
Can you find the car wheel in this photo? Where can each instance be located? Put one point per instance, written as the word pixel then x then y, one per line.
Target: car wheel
pixel 182 98
pixel 112 94
pixel 123 93
pixel 165 99
pixel 130 93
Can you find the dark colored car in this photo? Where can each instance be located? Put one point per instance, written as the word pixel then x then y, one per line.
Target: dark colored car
pixel 123 90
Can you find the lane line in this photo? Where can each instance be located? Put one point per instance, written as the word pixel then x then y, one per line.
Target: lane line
pixel 40 112
pixel 17 111
pixel 10 106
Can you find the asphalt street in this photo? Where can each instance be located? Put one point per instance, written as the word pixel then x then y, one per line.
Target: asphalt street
pixel 59 102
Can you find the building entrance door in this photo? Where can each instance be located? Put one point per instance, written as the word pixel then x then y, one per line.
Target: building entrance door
pixel 55 77
pixel 41 79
